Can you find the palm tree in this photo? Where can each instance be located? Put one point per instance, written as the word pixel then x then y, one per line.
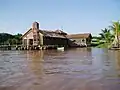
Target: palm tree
pixel 116 32
pixel 106 35
pixel 103 33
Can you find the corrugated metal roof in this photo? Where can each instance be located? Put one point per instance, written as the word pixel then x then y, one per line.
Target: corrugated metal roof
pixel 85 35
pixel 49 33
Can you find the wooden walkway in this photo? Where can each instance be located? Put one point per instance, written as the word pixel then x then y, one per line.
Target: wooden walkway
pixel 21 47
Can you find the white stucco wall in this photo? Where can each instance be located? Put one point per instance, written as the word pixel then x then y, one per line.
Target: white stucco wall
pixel 41 38
pixel 28 36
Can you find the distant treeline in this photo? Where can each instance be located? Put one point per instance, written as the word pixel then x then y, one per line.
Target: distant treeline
pixel 9 39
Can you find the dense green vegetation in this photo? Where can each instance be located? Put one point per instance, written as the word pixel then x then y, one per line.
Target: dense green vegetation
pixel 8 39
pixel 109 37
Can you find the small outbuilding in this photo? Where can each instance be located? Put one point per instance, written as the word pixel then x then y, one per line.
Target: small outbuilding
pixel 80 39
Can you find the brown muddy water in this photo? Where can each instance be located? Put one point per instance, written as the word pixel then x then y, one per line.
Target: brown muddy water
pixel 74 69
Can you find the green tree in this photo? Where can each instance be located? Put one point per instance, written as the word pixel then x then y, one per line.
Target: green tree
pixel 9 41
pixel 115 28
pixel 106 35
pixel 18 38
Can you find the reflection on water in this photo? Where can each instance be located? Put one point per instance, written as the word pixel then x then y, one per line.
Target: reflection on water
pixel 36 63
pixel 117 55
pixel 73 69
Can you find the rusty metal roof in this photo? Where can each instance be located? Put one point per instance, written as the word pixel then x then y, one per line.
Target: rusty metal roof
pixel 60 34
pixel 84 35
pixel 50 33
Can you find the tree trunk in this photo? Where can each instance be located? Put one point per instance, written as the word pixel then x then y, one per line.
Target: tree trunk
pixel 115 42
pixel 118 41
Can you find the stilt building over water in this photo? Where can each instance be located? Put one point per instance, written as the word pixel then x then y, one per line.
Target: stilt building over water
pixel 79 40
pixel 35 37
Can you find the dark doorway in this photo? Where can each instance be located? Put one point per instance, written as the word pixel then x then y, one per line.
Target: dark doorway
pixel 30 41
